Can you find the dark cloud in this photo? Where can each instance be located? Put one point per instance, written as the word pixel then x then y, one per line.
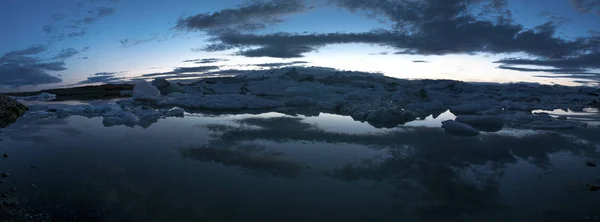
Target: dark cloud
pixel 25 67
pixel 428 27
pixel 18 75
pixel 105 73
pixel 183 71
pixel 32 50
pixel 66 53
pixel 133 42
pixel 48 29
pixel 381 53
pixel 420 61
pixel 248 17
pixel 550 70
pixel 57 17
pixel 589 60
pixel 278 51
pixel 101 12
pixel 95 1
pixel 50 66
pixel 205 61
pixel 60 30
pixel 279 64
pixel 102 77
pixel 585 6
pixel 20 68
pixel 286 45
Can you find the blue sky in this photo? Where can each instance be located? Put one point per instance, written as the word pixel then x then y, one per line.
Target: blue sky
pixel 49 44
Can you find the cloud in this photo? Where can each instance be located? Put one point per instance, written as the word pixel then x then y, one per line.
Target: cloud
pixel 25 67
pixel 18 75
pixel 428 27
pixel 48 29
pixel 66 53
pixel 205 61
pixel 102 77
pixel 50 66
pixel 589 60
pixel 183 71
pixel 60 30
pixel 18 68
pixel 557 71
pixel 248 17
pixel 585 6
pixel 101 12
pixel 133 42
pixel 287 45
pixel 279 64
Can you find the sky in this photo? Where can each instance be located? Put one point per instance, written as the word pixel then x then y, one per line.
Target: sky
pixel 49 44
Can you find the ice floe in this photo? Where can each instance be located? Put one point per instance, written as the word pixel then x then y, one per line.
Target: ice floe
pixel 379 100
pixel 458 128
pixel 40 97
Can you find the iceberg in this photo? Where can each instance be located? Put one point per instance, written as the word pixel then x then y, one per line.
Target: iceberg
pixel 460 129
pixel 145 91
pixel 483 123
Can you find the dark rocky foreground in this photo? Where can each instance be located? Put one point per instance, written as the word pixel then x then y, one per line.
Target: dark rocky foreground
pixel 108 91
pixel 10 110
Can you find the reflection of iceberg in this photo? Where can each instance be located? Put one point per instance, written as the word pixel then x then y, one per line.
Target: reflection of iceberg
pixel 120 113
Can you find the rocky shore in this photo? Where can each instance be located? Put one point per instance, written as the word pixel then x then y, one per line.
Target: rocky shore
pixel 10 110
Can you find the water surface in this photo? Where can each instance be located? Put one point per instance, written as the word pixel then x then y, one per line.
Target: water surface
pixel 274 167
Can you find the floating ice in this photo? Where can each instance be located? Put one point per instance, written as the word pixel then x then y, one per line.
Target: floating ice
pixel 459 129
pixel 468 108
pixel 381 101
pixel 484 123
pixel 40 97
pixel 145 91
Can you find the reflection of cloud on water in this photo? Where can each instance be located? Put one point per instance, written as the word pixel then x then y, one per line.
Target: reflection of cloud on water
pixel 434 175
pixel 40 129
pixel 431 143
pixel 254 158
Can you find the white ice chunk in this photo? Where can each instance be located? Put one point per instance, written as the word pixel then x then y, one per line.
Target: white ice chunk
pixel 145 91
pixel 457 128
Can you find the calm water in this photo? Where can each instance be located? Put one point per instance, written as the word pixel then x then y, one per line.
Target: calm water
pixel 272 167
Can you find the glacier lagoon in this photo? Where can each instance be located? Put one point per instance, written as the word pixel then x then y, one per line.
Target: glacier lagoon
pixel 277 167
